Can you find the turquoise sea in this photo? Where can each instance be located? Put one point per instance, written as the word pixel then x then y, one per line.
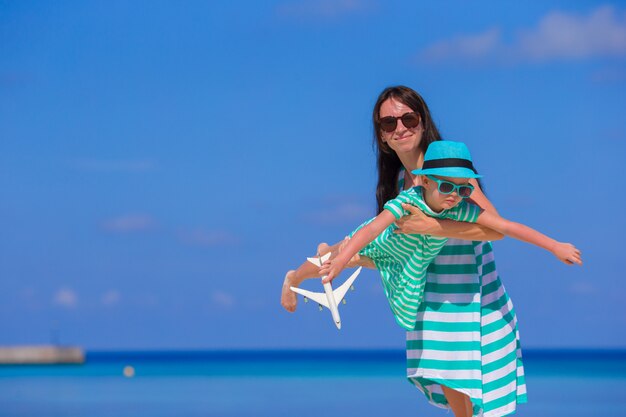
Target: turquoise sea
pixel 290 383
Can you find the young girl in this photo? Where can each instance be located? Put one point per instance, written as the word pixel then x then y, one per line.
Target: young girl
pixel 403 259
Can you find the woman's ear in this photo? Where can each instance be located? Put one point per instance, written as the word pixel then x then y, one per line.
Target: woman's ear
pixel 424 180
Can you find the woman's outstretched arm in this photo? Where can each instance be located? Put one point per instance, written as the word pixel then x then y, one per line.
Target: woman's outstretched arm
pixel 419 223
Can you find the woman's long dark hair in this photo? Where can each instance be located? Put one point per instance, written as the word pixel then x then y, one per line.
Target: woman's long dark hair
pixel 387 161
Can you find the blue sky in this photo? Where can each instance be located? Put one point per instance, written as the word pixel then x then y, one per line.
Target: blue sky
pixel 162 164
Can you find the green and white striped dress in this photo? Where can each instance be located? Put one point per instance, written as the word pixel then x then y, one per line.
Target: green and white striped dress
pixel 466 335
pixel 403 259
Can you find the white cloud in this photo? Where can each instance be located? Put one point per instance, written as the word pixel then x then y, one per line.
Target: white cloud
pixel 327 9
pixel 129 223
pixel 66 298
pixel 115 165
pixel 345 212
pixel 557 36
pixel 562 35
pixel 468 47
pixel 200 237
pixel 222 299
pixel 110 298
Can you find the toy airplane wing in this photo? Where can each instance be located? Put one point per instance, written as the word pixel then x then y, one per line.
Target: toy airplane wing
pixel 340 292
pixel 329 298
pixel 319 260
pixel 318 297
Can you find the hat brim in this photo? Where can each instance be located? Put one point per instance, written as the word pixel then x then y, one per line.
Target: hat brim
pixel 452 172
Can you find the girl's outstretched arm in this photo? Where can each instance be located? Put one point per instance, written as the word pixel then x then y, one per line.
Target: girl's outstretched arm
pixel 566 252
pixel 357 260
pixel 362 237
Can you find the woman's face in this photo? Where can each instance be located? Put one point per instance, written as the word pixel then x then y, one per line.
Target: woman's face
pixel 403 139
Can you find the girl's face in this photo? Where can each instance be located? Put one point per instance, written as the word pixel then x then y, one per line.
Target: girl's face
pixel 435 199
pixel 402 139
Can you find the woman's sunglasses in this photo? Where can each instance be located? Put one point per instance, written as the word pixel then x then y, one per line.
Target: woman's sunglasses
pixel 409 120
pixel 447 187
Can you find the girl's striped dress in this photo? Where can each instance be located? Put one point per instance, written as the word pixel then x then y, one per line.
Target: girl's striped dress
pixel 466 335
pixel 403 259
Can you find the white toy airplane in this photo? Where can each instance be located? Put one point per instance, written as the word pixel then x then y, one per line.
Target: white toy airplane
pixel 328 298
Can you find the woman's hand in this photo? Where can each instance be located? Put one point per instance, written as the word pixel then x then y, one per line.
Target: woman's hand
pixel 416 222
pixel 567 253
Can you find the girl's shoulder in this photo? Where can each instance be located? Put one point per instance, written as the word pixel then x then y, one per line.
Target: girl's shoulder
pixel 414 197
pixel 412 193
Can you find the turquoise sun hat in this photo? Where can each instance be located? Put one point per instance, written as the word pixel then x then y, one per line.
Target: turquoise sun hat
pixel 448 159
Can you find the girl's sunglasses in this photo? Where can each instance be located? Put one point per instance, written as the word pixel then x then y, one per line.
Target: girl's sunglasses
pixel 409 120
pixel 447 187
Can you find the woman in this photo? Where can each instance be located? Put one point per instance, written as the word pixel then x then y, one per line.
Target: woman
pixel 464 351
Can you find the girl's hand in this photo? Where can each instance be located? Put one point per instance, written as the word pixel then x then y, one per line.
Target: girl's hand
pixel 416 222
pixel 567 253
pixel 331 268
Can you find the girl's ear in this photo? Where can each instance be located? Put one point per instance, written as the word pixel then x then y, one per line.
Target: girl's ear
pixel 425 180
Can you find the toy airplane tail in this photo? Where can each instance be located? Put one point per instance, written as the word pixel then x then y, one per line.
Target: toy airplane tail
pixel 329 298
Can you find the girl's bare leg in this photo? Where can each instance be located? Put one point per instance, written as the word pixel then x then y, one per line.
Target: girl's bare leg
pixel 459 402
pixel 294 278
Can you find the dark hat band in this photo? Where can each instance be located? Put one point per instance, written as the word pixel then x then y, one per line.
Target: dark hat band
pixel 448 163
